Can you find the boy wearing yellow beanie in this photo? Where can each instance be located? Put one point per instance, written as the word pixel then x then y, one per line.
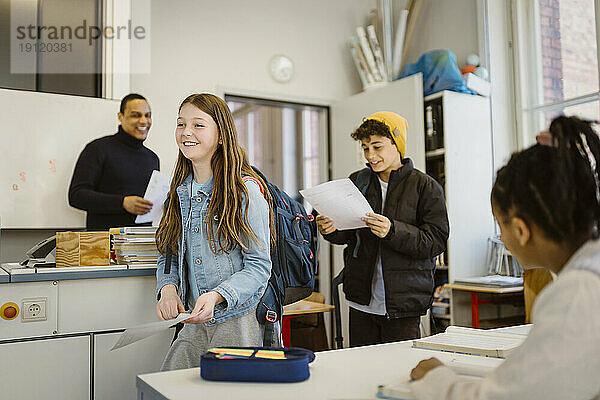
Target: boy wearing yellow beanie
pixel 389 264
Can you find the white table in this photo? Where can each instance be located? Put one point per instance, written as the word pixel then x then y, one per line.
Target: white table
pixel 338 374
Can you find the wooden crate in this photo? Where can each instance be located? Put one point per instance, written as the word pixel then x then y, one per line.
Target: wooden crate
pixel 75 249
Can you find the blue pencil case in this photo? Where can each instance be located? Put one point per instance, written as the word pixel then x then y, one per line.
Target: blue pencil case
pixel 256 364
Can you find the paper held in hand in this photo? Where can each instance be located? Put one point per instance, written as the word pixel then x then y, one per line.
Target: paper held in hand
pixel 132 335
pixel 156 192
pixel 341 201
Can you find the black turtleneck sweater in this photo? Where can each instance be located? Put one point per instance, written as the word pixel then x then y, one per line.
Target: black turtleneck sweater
pixel 108 169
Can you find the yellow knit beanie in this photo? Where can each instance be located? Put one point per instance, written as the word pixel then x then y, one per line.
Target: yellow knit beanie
pixel 398 127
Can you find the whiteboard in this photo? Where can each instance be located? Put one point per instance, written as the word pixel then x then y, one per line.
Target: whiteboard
pixel 41 136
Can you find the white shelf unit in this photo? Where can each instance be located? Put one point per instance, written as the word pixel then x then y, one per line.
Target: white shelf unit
pixel 465 154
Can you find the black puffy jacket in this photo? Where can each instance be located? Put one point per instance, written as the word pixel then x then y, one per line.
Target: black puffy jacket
pixel 416 207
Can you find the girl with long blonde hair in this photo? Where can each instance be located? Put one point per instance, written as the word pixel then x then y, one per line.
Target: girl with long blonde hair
pixel 214 238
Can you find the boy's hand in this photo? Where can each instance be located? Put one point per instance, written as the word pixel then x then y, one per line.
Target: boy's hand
pixel 325 225
pixel 379 224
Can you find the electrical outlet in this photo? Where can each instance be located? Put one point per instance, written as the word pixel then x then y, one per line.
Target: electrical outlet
pixel 34 309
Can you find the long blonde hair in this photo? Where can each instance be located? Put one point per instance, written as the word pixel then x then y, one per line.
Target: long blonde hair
pixel 229 164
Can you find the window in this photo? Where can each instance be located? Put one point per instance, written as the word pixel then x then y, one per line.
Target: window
pixel 40 63
pixel 286 141
pixel 77 47
pixel 556 61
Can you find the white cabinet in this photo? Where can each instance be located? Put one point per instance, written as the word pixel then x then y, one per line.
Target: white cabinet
pixel 67 356
pixel 115 371
pixel 461 159
pixel 52 369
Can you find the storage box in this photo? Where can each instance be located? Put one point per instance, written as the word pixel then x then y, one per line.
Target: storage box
pixel 74 249
pixel 476 84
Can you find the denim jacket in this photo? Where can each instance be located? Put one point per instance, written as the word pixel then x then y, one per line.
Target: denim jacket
pixel 239 276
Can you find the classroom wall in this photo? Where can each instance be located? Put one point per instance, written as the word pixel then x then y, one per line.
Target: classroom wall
pixel 446 25
pixel 208 46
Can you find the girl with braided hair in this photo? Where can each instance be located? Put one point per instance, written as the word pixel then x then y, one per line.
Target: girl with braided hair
pixel 546 201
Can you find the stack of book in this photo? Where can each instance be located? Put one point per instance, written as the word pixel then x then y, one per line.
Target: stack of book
pixel 135 246
pixel 495 281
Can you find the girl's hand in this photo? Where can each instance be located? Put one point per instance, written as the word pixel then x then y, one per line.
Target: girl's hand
pixel 325 225
pixel 379 224
pixel 423 367
pixel 169 306
pixel 206 304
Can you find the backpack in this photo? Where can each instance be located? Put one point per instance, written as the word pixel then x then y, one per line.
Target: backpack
pixel 294 258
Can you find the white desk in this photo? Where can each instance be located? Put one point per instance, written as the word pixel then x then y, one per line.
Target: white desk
pixel 337 374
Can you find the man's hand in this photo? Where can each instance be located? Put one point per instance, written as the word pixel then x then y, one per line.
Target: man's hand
pixel 205 303
pixel 379 224
pixel 137 205
pixel 325 225
pixel 169 306
pixel 423 367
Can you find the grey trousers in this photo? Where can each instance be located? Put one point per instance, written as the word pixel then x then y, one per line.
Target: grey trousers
pixel 195 339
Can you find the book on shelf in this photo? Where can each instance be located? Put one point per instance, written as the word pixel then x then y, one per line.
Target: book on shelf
pixel 498 281
pixel 377 51
pixel 479 342
pixel 361 34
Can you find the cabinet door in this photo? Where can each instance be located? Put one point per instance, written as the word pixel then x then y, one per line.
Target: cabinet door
pixel 115 372
pixel 46 369
pixel 404 97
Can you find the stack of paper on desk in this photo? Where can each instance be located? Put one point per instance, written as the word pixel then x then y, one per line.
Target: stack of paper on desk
pixel 472 341
pixel 492 281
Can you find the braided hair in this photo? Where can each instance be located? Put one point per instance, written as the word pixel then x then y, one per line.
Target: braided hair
pixel 555 187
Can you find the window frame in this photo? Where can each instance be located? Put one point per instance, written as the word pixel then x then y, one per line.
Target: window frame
pixel 528 71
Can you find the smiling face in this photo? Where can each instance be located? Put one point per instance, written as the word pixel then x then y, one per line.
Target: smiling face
pixel 381 153
pixel 136 119
pixel 196 134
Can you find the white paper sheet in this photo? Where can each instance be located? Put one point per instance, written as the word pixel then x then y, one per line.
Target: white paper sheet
pixel 341 201
pixel 132 335
pixel 156 192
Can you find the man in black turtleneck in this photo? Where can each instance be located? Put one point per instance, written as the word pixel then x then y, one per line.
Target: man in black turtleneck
pixel 112 172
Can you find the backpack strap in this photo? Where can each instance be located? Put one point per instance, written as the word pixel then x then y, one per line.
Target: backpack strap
pixel 169 254
pixel 246 178
pixel 363 180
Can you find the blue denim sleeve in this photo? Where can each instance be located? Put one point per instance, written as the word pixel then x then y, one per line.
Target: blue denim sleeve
pixel 255 273
pixel 163 279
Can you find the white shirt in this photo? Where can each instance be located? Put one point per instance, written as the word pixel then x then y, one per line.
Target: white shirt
pixel 377 305
pixel 560 359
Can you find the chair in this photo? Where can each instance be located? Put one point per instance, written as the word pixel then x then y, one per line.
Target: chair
pixel 534 280
pixel 308 331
